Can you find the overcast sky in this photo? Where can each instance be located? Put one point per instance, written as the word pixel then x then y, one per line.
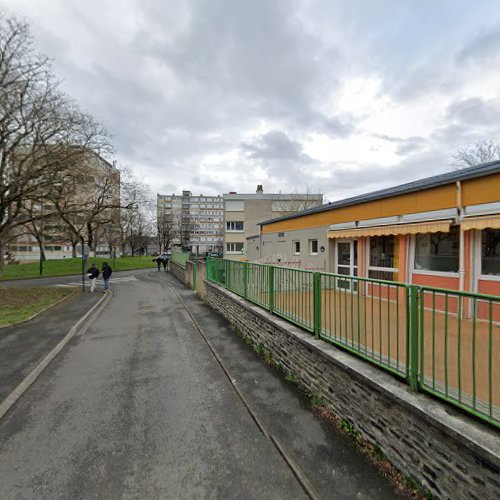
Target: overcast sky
pixel 343 97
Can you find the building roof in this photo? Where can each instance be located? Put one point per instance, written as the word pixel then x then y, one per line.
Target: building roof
pixel 421 184
pixel 272 196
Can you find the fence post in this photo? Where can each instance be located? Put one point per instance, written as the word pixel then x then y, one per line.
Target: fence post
pixel 227 280
pixel 317 304
pixel 245 280
pixel 271 289
pixel 413 336
pixel 195 271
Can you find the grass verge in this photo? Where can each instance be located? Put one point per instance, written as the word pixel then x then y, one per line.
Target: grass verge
pixel 63 267
pixel 19 304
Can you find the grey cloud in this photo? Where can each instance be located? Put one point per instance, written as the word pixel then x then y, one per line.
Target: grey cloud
pixel 485 47
pixel 475 111
pixel 275 145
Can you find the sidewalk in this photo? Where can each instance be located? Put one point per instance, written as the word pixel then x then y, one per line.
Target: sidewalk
pixel 327 457
pixel 23 346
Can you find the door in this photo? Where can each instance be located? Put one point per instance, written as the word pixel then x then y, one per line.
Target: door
pixel 347 263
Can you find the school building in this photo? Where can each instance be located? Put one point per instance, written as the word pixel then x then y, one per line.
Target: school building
pixel 441 231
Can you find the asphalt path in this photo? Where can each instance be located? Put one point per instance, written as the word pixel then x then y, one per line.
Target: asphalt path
pixel 73 279
pixel 139 407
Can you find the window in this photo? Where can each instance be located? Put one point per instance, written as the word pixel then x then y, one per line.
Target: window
pixel 313 247
pixel 234 226
pixel 383 265
pixel 296 247
pixel 490 252
pixel 234 247
pixel 437 251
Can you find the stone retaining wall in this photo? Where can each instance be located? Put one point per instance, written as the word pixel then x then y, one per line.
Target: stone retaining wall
pixel 178 271
pixel 449 453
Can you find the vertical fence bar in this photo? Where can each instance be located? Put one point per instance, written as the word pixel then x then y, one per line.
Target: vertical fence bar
pixel 195 272
pixel 412 336
pixel 317 303
pixel 271 289
pixel 245 280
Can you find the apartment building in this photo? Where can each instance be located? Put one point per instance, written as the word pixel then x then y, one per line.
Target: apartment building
pixel 91 182
pixel 244 212
pixel 196 220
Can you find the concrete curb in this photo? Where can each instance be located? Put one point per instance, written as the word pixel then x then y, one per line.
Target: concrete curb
pixel 5 327
pixel 21 388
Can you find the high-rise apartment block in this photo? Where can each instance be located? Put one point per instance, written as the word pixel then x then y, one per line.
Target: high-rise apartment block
pixel 195 220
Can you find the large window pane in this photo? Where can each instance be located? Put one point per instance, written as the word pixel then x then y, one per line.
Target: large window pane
pixel 382 251
pixel 437 251
pixel 490 252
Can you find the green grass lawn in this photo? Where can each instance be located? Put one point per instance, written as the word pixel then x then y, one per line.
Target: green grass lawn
pixel 18 304
pixel 72 266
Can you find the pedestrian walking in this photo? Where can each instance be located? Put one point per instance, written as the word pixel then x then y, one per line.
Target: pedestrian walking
pixel 165 263
pixel 93 274
pixel 158 262
pixel 106 274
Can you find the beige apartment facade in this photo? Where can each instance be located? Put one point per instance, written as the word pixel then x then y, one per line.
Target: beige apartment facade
pixel 93 178
pixel 244 212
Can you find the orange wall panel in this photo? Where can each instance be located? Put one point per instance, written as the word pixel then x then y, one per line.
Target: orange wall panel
pixel 449 282
pixel 481 190
pixel 431 199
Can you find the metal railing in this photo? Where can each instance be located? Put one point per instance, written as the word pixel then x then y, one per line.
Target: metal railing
pixel 443 342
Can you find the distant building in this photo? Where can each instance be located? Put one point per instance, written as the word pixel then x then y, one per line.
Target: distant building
pixel 196 219
pixel 244 212
pixel 92 177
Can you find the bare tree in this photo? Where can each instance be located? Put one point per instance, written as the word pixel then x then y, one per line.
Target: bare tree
pixel 186 228
pixel 40 130
pixel 137 213
pixel 475 154
pixel 165 231
pixel 296 202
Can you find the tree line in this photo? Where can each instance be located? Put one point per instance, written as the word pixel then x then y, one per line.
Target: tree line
pixel 48 146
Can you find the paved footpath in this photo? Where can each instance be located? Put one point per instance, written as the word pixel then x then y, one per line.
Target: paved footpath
pixel 138 407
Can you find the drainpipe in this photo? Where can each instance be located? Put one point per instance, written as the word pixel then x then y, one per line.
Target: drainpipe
pixel 461 258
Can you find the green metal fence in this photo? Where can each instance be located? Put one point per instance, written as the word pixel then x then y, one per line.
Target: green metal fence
pixel 459 346
pixel 443 342
pixel 180 258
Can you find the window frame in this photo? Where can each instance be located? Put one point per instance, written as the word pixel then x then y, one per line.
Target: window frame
pixel 429 272
pixel 481 276
pixel 369 267
pixel 294 249
pixel 234 222
pixel 311 241
pixel 235 252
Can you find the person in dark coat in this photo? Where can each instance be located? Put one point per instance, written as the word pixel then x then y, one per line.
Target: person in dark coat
pixel 106 274
pixel 158 262
pixel 165 263
pixel 93 274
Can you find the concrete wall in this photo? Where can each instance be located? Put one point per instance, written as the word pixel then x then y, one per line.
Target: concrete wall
pixel 449 453
pixel 273 247
pixel 200 276
pixel 178 271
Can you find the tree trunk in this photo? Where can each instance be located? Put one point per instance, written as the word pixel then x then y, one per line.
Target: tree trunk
pixel 73 249
pixel 1 256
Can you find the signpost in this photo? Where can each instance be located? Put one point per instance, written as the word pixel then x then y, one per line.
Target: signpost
pixel 84 263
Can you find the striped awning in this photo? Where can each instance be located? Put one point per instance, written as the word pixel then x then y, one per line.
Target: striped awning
pixel 488 221
pixel 421 227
